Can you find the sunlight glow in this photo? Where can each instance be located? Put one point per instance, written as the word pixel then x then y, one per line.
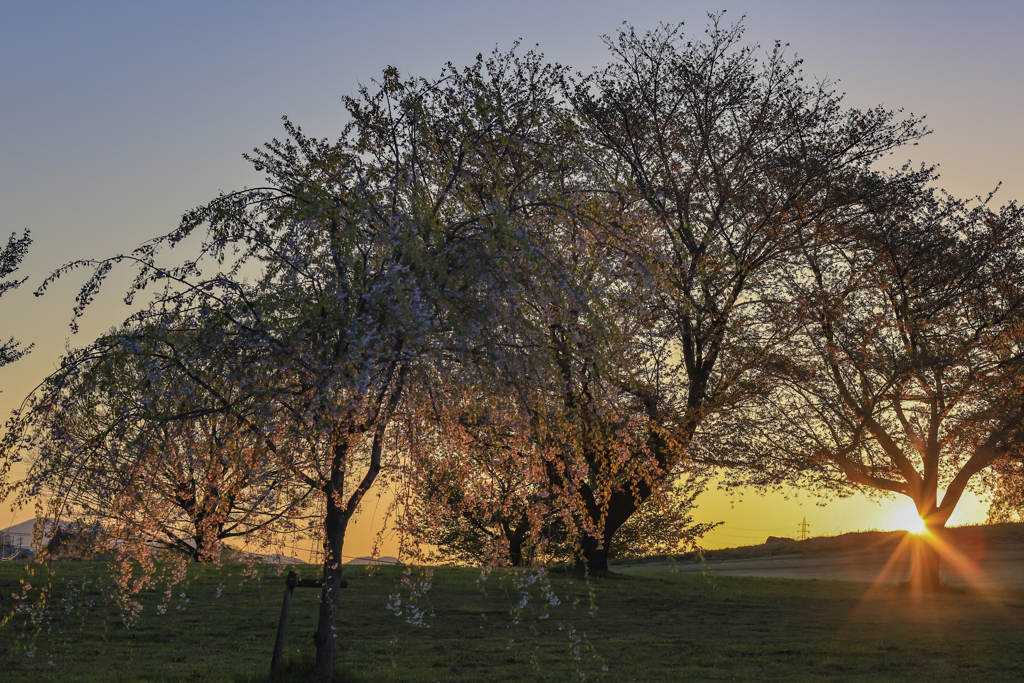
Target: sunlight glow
pixel 908 519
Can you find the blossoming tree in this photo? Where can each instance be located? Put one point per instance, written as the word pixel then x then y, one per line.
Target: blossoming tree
pixel 719 157
pixel 359 264
pixel 901 369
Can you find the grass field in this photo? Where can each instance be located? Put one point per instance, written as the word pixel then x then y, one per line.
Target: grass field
pixel 644 627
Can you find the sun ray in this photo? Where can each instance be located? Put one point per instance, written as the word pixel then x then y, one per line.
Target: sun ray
pixel 908 519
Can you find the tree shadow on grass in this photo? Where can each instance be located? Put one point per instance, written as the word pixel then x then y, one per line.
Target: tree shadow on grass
pixel 574 572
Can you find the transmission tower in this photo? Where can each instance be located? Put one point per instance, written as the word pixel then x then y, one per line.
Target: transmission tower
pixel 803 526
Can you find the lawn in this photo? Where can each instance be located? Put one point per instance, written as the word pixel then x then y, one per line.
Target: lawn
pixel 641 627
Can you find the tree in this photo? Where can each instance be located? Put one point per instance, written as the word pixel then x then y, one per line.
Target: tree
pixel 504 532
pixel 718 159
pixel 10 258
pixel 402 242
pixel 476 500
pixel 509 525
pixel 123 437
pixel 902 368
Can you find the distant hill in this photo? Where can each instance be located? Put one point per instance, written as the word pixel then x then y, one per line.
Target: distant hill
pixel 21 534
pixel 366 559
pixel 16 540
pixel 968 539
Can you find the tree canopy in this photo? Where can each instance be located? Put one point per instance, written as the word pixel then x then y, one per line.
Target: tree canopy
pixel 132 433
pixel 718 159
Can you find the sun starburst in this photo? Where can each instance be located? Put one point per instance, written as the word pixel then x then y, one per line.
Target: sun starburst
pixel 909 520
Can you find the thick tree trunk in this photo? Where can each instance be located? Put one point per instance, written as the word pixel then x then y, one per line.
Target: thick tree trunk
pixel 594 550
pixel 334 531
pixel 517 536
pixel 594 554
pixel 925 561
pixel 200 553
pixel 515 552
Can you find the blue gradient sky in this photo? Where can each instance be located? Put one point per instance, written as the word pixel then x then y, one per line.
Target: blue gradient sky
pixel 116 117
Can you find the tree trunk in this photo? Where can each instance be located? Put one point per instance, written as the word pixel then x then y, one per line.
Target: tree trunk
pixel 200 552
pixel 517 536
pixel 594 554
pixel 925 561
pixel 193 553
pixel 335 523
pixel 515 551
pixel 334 532
pixel 620 506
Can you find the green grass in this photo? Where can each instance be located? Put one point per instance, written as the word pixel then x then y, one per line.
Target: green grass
pixel 651 627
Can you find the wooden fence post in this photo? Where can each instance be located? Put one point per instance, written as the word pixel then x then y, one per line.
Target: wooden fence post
pixel 286 607
pixel 291 583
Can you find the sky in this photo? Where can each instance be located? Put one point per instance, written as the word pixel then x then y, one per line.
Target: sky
pixel 117 117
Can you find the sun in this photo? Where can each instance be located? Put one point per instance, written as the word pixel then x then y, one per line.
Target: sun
pixel 908 519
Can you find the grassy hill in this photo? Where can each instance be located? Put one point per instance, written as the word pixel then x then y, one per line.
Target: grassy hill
pixel 968 539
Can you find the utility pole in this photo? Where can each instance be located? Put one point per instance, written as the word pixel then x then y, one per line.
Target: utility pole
pixel 316 550
pixel 803 526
